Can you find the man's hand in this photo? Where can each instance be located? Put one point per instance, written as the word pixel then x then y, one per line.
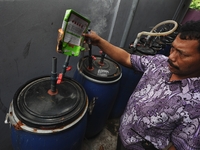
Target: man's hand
pixel 93 36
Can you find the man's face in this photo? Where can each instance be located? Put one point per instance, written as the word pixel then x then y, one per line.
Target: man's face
pixel 184 58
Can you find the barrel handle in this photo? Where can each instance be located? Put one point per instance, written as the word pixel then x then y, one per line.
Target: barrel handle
pixel 91 105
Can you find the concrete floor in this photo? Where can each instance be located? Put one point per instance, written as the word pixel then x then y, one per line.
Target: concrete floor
pixel 106 139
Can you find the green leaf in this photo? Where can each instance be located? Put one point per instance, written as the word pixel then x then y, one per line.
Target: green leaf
pixel 195 4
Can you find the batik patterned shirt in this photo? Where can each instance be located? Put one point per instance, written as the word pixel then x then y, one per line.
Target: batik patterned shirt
pixel 161 111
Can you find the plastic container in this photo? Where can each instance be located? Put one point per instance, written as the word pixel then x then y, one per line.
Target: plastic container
pixel 128 82
pixel 101 84
pixel 42 120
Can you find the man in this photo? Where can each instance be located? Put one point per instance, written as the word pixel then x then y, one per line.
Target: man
pixel 165 106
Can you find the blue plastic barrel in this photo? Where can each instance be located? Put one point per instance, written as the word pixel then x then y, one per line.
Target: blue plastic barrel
pixel 42 120
pixel 128 82
pixel 101 84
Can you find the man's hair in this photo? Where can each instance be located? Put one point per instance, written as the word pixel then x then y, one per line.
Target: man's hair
pixel 190 31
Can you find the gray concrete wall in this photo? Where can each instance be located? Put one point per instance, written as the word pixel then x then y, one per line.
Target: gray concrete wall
pixel 28 34
pixel 146 15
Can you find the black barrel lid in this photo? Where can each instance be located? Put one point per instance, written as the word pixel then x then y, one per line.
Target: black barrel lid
pixel 146 50
pixel 36 108
pixel 108 71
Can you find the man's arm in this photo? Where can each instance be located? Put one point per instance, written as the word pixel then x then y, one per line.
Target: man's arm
pixel 114 52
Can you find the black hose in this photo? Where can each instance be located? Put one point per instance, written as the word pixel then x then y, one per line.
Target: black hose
pixel 54 74
pixel 90 51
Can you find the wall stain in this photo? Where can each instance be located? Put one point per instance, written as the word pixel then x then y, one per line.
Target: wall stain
pixel 26 49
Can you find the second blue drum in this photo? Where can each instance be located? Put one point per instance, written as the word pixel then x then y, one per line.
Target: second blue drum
pixel 101 83
pixel 128 82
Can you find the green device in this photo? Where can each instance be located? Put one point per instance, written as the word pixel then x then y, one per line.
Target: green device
pixel 70 37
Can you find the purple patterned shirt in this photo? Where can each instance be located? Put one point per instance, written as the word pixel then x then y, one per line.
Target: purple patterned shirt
pixel 161 111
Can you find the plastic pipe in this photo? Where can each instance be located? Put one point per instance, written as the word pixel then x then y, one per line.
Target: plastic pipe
pixel 103 55
pixel 151 33
pixel 129 21
pixel 114 20
pixel 54 75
